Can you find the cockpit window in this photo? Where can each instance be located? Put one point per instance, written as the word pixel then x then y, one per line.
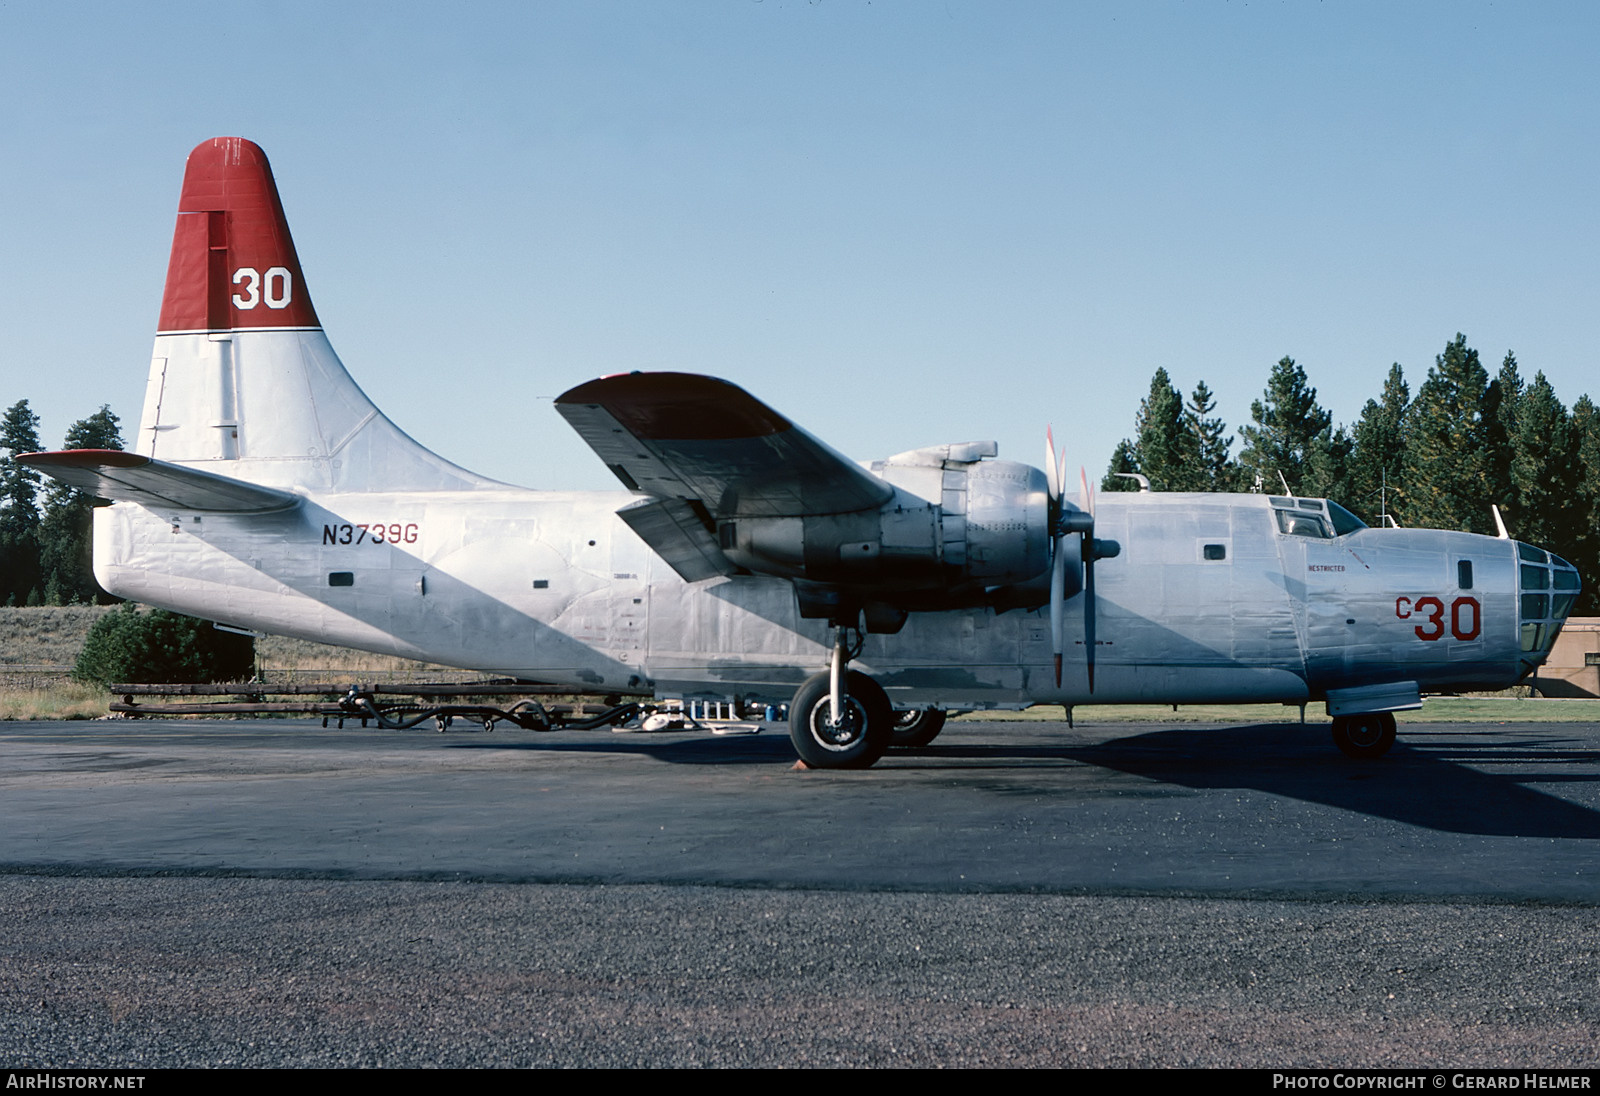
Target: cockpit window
pixel 1319 519
pixel 1302 525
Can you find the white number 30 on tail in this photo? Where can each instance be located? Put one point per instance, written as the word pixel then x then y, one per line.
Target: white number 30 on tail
pixel 275 288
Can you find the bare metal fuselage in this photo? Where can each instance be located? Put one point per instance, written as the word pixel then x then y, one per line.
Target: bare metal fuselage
pixel 554 587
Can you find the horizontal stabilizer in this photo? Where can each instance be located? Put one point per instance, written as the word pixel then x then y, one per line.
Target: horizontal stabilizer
pixel 129 477
pixel 685 436
pixel 679 533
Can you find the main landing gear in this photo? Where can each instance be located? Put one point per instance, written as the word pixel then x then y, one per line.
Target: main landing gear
pixel 1364 736
pixel 867 724
pixel 916 728
pixel 863 727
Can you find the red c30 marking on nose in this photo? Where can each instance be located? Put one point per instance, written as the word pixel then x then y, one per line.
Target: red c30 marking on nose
pixel 1466 617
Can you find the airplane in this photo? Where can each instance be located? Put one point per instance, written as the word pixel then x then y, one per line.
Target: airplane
pixel 747 560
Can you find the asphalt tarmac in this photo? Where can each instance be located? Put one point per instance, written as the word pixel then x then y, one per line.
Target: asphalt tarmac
pixel 273 893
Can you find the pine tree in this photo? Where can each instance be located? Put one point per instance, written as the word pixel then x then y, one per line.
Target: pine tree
pixel 1288 426
pixel 1502 402
pixel 19 510
pixel 1123 460
pixel 101 430
pixel 1166 448
pixel 1325 471
pixel 1584 508
pixel 1178 446
pixel 1377 458
pixel 19 484
pixel 1542 470
pixel 1447 479
pixel 64 532
pixel 1214 468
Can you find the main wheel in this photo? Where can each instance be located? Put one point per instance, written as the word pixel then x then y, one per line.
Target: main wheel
pixel 857 740
pixel 916 727
pixel 1364 736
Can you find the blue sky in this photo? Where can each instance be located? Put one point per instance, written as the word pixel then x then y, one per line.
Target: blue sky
pixel 898 223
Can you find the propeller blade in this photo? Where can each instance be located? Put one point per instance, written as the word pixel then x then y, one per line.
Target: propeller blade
pixel 1050 467
pixel 1058 611
pixel 1055 476
pixel 1088 577
pixel 1088 607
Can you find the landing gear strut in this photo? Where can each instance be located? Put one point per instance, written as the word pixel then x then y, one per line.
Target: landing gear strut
pixel 1364 736
pixel 861 730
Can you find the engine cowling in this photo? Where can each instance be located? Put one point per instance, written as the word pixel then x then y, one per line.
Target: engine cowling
pixel 958 524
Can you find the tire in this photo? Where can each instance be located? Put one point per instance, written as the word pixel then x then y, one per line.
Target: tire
pixel 916 728
pixel 1364 736
pixel 862 737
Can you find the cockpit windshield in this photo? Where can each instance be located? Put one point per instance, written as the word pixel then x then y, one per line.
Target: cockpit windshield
pixel 1318 519
pixel 1343 520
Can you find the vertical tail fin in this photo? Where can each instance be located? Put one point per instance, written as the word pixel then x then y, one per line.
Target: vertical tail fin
pixel 242 372
pixel 233 262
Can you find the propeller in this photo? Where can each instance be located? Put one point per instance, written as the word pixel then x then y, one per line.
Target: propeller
pixel 1062 525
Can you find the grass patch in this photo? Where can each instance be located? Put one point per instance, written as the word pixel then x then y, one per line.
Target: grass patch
pixel 40 644
pixel 280 658
pixel 71 700
pixel 45 635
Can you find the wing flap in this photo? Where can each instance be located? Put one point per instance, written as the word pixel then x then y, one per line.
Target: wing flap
pixel 129 477
pixel 687 436
pixel 679 533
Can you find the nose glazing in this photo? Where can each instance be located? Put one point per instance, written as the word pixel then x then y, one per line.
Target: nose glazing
pixel 1548 587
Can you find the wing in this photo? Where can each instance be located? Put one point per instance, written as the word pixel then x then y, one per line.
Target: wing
pixel 128 477
pixel 685 436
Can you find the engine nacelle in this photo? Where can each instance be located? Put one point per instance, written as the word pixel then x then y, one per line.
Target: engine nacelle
pixel 957 522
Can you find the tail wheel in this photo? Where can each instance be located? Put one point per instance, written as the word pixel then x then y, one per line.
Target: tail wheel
pixel 916 728
pixel 1364 736
pixel 853 742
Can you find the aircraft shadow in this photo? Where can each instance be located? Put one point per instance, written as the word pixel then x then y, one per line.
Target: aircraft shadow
pixel 1433 778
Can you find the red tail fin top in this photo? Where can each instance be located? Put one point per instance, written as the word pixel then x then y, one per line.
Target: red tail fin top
pixel 233 262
